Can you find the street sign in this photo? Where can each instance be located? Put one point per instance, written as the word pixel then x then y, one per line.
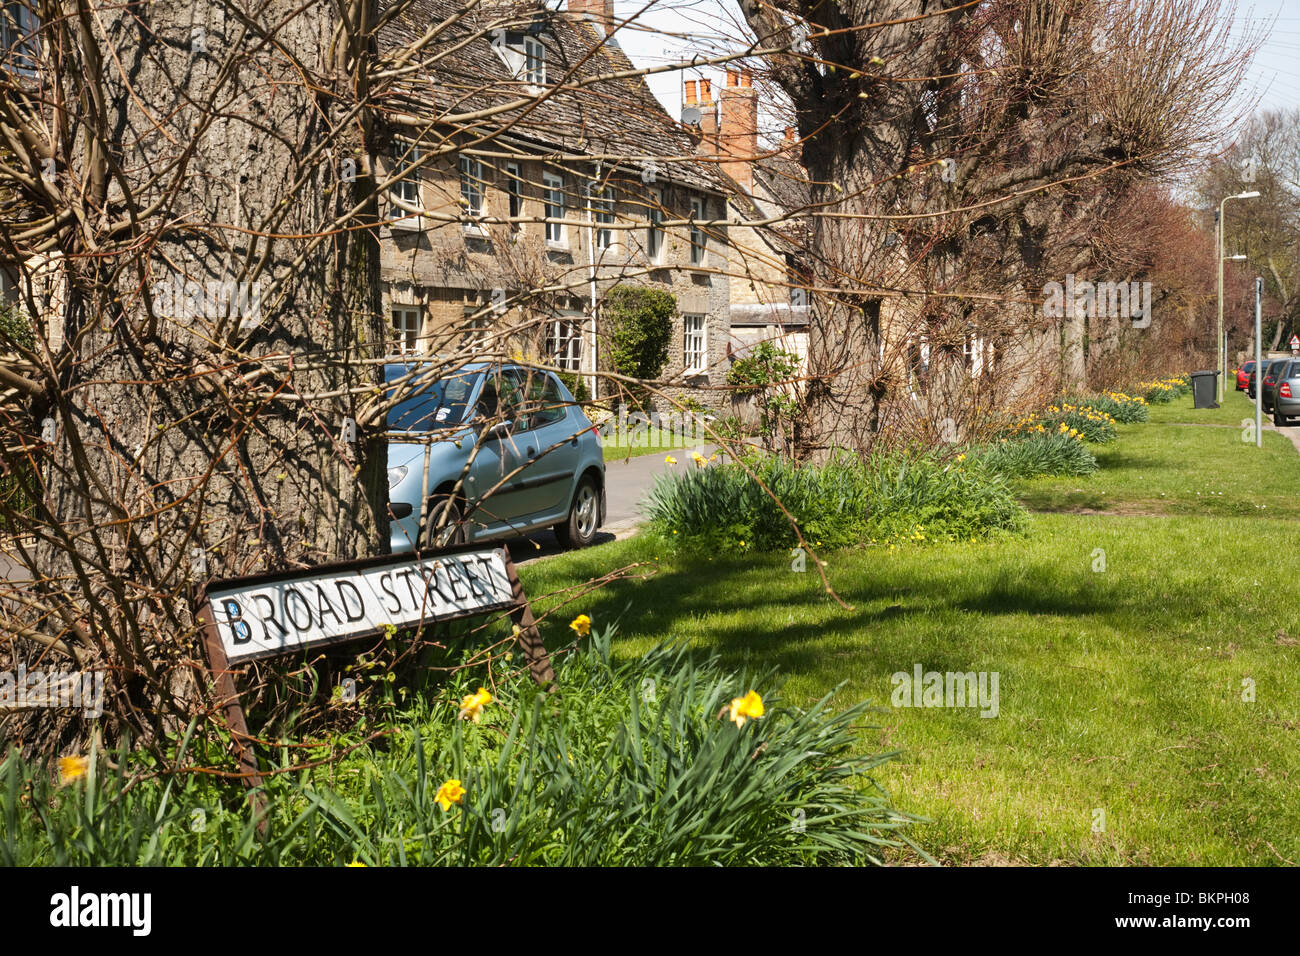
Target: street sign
pixel 290 612
pixel 266 617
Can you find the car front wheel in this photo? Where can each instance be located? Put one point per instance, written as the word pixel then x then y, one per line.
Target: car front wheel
pixel 579 530
pixel 452 531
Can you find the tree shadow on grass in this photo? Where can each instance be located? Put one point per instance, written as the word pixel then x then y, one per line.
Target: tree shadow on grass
pixel 651 609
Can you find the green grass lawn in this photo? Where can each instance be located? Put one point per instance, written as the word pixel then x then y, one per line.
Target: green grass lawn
pixel 1120 690
pixel 1235 409
pixel 1174 465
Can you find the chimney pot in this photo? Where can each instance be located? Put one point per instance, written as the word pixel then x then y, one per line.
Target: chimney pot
pixel 691 98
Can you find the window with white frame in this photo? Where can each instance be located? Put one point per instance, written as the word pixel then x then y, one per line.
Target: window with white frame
pixel 654 234
pixel 564 343
pixel 694 347
pixel 408 321
pixel 554 185
pixel 407 187
pixel 534 62
pixel 471 186
pixel 698 238
pixel 514 193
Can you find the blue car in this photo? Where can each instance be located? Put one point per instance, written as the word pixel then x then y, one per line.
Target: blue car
pixel 489 451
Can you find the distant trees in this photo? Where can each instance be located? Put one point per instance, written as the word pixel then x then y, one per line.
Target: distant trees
pixel 1264 158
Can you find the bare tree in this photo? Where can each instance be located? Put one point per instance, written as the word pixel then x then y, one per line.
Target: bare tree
pixel 970 145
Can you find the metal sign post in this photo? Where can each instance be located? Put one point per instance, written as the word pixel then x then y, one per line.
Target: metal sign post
pixel 1259 370
pixel 291 612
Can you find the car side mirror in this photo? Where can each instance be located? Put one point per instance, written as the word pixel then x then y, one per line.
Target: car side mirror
pixel 498 431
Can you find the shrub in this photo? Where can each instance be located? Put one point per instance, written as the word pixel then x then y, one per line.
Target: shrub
pixel 1125 409
pixel 1047 453
pixel 1164 391
pixel 844 502
pixel 576 384
pixel 919 498
pixel 604 774
pixel 15 328
pixel 765 373
pixel 637 332
pixel 1066 419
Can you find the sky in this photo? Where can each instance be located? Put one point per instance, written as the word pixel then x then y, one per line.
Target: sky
pixel 1275 73
pixel 669 31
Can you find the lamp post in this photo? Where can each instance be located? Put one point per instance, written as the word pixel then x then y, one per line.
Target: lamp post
pixel 1259 371
pixel 1223 339
pixel 1220 351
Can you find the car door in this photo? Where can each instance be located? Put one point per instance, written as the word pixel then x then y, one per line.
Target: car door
pixel 499 460
pixel 551 444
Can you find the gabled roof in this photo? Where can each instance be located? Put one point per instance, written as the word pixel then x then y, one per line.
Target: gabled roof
pixel 618 117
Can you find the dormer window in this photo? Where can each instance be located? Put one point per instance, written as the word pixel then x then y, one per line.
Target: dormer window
pixel 523 53
pixel 534 62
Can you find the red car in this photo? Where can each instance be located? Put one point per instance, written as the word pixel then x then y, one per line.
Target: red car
pixel 1243 376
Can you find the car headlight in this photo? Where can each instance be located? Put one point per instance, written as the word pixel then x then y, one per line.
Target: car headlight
pixel 395 475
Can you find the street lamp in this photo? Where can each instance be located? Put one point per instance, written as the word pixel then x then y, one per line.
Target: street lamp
pixel 1223 339
pixel 1220 351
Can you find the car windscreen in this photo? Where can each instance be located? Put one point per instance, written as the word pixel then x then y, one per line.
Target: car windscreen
pixel 1248 367
pixel 430 405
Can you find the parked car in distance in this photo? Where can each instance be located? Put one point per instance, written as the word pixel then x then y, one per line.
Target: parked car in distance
pixel 1286 404
pixel 1243 375
pixel 1272 371
pixel 499 450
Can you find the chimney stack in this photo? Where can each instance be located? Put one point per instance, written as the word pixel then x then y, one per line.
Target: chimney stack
pixel 709 111
pixel 601 11
pixel 738 139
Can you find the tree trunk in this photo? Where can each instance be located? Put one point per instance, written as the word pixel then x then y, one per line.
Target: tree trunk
pixel 201 430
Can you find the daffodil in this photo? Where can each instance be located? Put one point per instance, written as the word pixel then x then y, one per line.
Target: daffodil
pixel 669 459
pixel 581 624
pixel 472 705
pixel 743 708
pixel 72 768
pixel 700 460
pixel 449 793
pixel 354 863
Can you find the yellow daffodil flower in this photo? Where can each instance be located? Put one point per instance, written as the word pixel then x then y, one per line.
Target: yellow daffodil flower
pixel 72 768
pixel 744 708
pixel 669 459
pixel 449 793
pixel 472 705
pixel 581 624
